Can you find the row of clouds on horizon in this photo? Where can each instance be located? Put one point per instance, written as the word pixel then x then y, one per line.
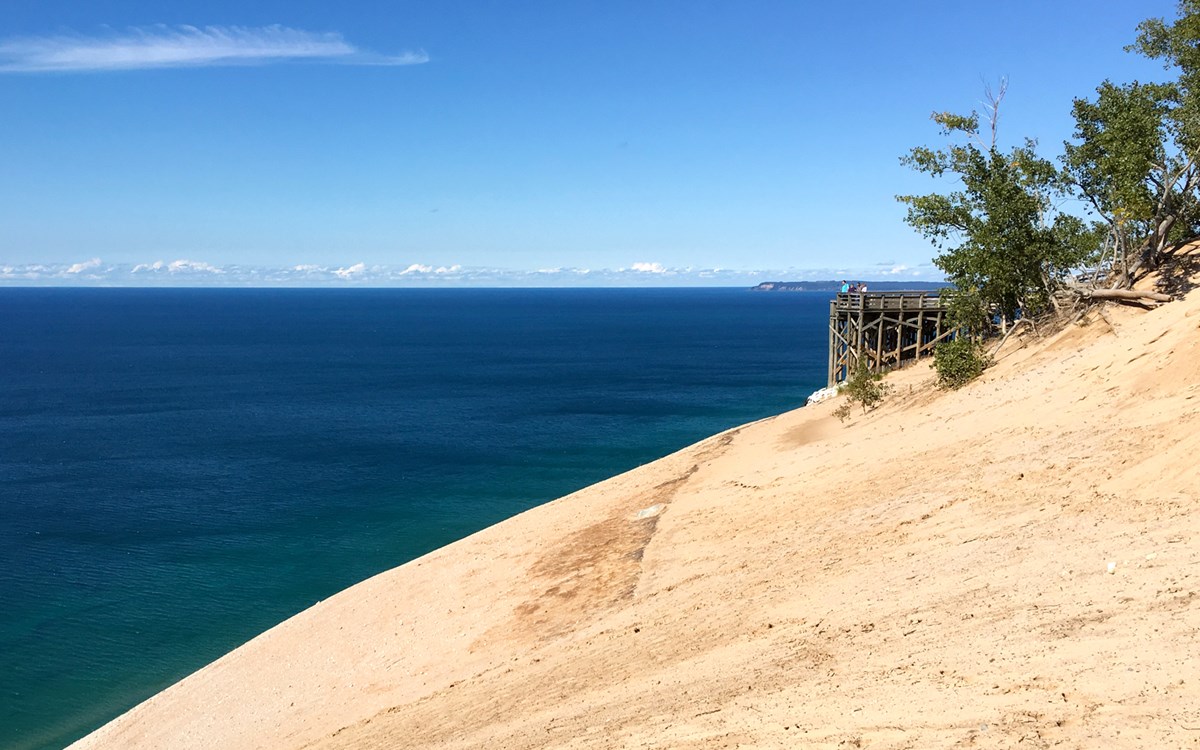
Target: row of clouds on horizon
pixel 95 272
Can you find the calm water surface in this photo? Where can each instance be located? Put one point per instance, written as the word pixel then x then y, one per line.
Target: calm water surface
pixel 182 469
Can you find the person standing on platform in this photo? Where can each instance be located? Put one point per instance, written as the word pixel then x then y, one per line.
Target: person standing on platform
pixel 845 286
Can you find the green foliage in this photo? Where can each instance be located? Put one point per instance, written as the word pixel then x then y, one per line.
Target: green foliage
pixel 865 387
pixel 1136 149
pixel 959 361
pixel 998 232
pixel 1125 163
pixel 967 310
pixel 1120 140
pixel 842 412
pixel 1177 46
pixel 1134 160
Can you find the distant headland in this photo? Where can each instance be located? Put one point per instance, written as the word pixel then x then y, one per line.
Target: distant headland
pixel 833 286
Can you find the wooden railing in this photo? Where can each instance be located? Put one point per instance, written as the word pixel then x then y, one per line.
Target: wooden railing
pixel 888 301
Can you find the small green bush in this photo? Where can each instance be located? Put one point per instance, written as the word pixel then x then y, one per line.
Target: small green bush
pixel 865 387
pixel 958 362
pixel 842 412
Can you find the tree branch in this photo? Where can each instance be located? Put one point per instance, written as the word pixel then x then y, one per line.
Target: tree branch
pixel 1124 294
pixel 992 105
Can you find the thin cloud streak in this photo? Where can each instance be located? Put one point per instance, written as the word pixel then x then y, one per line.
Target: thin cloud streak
pixel 186 46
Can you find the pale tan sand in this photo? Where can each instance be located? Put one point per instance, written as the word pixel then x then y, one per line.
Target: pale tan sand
pixel 934 574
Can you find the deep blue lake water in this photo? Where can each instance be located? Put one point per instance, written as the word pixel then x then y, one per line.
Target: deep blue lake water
pixel 182 469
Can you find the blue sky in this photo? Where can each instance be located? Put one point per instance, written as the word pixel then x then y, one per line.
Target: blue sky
pixel 507 143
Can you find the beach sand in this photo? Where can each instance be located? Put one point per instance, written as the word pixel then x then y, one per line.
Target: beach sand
pixel 1013 563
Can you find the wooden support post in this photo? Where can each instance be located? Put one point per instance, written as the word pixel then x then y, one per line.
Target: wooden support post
pixel 858 337
pixel 832 341
pixel 899 354
pixel 921 329
pixel 879 348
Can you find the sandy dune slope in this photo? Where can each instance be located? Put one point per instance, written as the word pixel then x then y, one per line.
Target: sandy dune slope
pixel 933 574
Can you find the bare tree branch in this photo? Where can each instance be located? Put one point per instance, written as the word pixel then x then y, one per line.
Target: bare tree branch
pixel 991 105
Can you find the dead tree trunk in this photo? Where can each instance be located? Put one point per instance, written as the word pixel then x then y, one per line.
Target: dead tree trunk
pixel 1125 294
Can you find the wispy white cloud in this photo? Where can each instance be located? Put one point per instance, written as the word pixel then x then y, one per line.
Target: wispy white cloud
pixel 180 266
pixel 86 265
pixel 421 269
pixel 358 269
pixel 418 57
pixel 561 271
pixel 185 46
pixel 649 268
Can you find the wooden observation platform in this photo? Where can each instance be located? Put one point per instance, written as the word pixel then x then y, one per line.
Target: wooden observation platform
pixel 886 328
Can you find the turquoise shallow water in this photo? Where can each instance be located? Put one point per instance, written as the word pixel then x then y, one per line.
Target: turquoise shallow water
pixel 182 469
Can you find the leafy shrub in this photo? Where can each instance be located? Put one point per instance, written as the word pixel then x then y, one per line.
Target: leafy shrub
pixel 865 387
pixel 958 362
pixel 842 412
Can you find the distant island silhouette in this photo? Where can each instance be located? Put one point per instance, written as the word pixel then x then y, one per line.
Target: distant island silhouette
pixel 833 286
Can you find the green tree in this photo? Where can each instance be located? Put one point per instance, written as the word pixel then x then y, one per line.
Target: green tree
pixel 1135 156
pixel 1135 153
pixel 1119 164
pixel 1002 243
pixel 1177 46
